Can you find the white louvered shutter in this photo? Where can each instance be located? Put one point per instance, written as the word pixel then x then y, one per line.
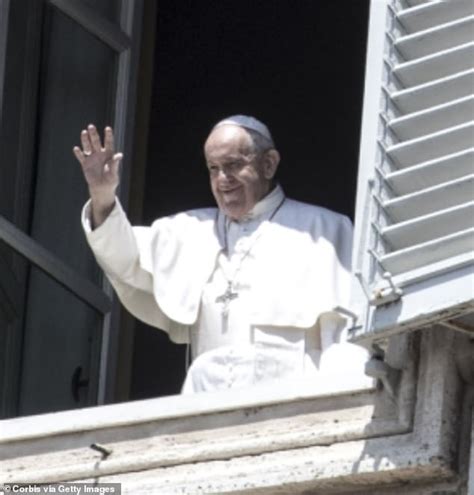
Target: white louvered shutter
pixel 414 239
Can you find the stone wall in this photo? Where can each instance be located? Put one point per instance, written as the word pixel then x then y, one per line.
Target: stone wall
pixel 416 440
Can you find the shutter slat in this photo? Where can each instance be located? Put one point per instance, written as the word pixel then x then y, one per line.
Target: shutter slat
pixel 434 92
pixel 431 173
pixel 415 206
pixel 429 227
pixel 413 3
pixel 436 39
pixel 420 255
pixel 429 147
pixel 429 200
pixel 435 66
pixel 434 119
pixel 430 13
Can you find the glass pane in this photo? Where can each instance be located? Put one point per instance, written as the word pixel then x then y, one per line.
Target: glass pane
pixel 12 53
pixel 5 332
pixel 106 8
pixel 62 336
pixel 78 75
pixel 61 333
pixel 12 300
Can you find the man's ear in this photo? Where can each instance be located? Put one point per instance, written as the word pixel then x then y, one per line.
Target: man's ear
pixel 270 163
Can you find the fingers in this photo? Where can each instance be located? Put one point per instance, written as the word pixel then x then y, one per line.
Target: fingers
pixel 109 139
pixel 85 142
pixel 117 157
pixel 90 142
pixel 114 163
pixel 94 138
pixel 78 154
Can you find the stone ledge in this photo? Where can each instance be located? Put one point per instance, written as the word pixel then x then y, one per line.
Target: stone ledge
pixel 346 467
pixel 179 406
pixel 340 443
pixel 199 438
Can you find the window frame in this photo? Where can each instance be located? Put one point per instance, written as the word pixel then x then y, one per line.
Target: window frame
pixel 394 305
pixel 124 38
pixel 4 12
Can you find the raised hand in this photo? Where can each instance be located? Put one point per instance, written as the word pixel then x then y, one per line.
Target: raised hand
pixel 100 165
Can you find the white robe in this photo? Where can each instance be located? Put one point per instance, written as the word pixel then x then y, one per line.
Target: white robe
pixel 295 273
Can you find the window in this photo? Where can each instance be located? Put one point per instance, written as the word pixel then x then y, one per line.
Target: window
pixel 62 65
pixel 415 212
pixel 154 442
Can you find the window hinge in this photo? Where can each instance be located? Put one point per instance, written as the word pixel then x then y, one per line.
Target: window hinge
pixel 380 296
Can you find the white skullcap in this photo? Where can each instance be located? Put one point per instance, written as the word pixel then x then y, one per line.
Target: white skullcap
pixel 247 122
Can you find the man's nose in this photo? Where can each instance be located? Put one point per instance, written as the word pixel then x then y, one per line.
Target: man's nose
pixel 224 175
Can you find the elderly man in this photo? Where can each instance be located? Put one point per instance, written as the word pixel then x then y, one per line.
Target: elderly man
pixel 253 285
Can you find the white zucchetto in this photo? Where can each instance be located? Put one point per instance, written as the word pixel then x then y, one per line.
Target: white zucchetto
pixel 247 122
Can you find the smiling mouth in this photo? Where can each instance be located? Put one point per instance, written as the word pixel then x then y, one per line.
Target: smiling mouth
pixel 230 191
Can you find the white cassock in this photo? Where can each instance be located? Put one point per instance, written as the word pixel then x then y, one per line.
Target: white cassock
pixel 288 267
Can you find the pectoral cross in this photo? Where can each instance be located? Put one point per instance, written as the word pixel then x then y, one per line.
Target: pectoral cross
pixel 226 298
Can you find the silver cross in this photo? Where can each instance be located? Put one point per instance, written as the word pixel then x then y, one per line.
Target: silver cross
pixel 226 298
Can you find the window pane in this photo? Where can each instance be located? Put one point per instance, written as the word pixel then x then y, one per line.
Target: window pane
pixel 62 334
pixel 106 8
pixel 77 87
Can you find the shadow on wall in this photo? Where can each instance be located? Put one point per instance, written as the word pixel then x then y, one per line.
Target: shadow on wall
pixel 414 435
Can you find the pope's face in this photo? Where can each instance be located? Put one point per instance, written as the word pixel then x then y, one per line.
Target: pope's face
pixel 239 177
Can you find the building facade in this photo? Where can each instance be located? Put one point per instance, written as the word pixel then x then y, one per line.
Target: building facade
pixel 410 432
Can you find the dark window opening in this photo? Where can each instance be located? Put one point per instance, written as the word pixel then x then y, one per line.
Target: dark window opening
pixel 298 66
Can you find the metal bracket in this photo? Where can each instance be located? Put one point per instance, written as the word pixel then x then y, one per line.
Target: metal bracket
pixel 377 368
pixel 384 295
